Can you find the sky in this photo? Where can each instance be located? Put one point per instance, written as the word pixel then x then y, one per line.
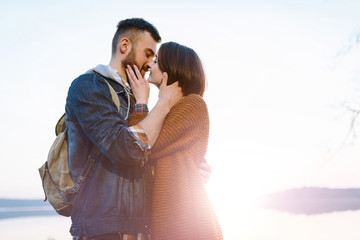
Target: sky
pixel 281 76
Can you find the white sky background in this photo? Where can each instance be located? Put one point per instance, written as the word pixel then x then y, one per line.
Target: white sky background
pixel 278 73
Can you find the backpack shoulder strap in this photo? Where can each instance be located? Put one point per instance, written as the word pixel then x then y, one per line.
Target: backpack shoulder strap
pixel 60 125
pixel 114 96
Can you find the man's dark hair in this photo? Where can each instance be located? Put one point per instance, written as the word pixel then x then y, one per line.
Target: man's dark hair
pixel 130 27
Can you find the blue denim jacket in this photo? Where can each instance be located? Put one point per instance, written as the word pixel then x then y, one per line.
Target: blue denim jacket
pixel 115 197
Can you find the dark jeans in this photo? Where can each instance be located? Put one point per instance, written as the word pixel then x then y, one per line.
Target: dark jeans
pixel 116 236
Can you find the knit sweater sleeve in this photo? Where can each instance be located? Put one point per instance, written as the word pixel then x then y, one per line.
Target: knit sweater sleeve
pixel 186 127
pixel 136 117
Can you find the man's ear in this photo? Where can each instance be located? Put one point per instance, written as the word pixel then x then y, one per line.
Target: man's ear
pixel 124 45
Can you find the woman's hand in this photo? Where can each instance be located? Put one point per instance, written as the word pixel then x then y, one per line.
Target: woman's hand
pixel 139 86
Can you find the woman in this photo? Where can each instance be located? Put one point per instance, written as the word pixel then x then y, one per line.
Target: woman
pixel 180 205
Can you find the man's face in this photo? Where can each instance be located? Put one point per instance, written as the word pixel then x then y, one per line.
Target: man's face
pixel 142 53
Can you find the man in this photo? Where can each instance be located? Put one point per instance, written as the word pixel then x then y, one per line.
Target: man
pixel 114 200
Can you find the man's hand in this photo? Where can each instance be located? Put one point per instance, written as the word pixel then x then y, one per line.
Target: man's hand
pixel 169 95
pixel 205 171
pixel 139 86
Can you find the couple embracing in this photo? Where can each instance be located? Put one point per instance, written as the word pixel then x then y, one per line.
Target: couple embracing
pixel 149 180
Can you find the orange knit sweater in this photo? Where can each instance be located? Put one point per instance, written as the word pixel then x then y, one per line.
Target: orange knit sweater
pixel 181 208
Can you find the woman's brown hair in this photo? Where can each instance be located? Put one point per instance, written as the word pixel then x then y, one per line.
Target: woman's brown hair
pixel 182 64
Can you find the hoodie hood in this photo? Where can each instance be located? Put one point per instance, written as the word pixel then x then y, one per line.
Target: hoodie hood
pixel 109 72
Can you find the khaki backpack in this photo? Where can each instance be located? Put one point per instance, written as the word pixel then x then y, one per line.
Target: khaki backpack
pixel 60 190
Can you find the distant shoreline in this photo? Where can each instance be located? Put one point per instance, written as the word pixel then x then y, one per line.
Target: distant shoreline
pixel 306 200
pixel 312 200
pixel 15 208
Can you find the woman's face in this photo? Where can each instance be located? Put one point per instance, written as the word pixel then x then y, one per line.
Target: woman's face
pixel 155 76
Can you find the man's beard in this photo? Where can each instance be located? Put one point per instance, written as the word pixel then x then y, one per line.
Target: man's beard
pixel 130 60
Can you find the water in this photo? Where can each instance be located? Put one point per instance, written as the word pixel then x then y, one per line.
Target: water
pixel 247 222
pixel 254 223
pixel 35 228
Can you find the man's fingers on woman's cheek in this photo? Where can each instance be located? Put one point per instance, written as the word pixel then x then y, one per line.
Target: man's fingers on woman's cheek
pixel 138 74
pixel 130 71
pixel 127 72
